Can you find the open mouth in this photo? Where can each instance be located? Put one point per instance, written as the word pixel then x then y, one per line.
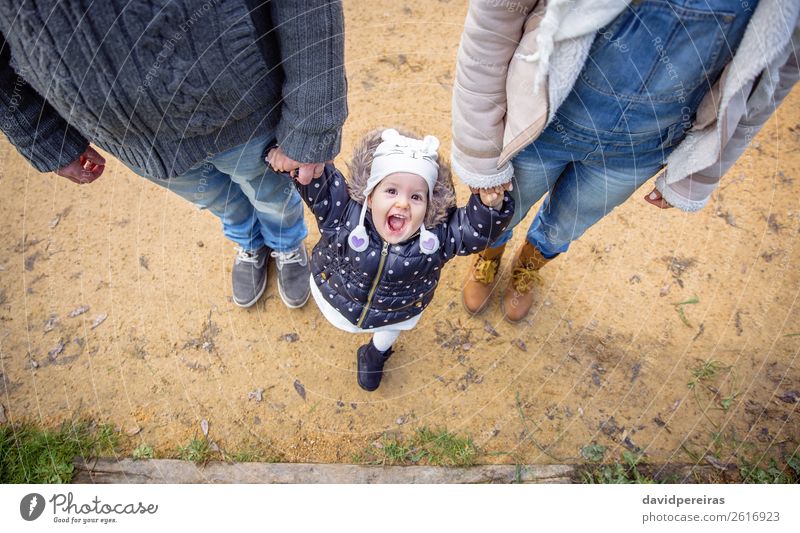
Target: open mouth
pixel 396 223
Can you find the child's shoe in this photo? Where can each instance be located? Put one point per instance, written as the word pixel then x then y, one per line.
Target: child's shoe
pixel 370 366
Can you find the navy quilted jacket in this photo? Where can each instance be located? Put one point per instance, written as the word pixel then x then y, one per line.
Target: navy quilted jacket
pixel 387 283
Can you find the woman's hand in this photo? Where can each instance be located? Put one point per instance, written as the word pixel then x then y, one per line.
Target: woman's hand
pixel 657 200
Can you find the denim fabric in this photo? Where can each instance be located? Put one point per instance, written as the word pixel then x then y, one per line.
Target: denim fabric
pixel 257 206
pixel 635 98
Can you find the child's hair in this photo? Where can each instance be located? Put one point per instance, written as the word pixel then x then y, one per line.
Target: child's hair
pixel 439 204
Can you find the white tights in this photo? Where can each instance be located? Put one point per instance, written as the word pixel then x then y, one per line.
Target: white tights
pixel 383 340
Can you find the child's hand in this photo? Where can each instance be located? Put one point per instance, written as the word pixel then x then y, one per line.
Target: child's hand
pixel 492 197
pixel 302 172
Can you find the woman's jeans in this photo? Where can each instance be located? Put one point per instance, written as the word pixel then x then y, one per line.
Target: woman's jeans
pixel 635 98
pixel 257 206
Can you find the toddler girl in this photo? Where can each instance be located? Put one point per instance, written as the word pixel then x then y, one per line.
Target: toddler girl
pixel 385 236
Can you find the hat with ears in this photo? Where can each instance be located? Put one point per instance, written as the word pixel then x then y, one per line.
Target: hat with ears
pixel 398 153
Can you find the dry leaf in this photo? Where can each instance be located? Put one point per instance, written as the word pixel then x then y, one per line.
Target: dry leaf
pixel 487 327
pixel 133 430
pixel 256 395
pixel 791 396
pixel 204 426
pixel 519 344
pixel 78 311
pixel 99 319
pixel 300 389
pixel 716 463
pixel 55 352
pixel 50 323
pixel 3 419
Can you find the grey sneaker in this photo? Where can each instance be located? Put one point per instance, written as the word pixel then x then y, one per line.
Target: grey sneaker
pixel 294 273
pixel 249 275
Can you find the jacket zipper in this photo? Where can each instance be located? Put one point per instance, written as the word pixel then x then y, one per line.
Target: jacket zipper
pixel 384 253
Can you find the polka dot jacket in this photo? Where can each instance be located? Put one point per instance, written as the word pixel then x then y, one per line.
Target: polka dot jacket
pixel 387 283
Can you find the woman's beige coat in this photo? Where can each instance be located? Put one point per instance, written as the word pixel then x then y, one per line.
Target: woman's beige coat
pixel 500 105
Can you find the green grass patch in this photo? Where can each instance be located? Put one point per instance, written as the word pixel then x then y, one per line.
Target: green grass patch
pixel 593 452
pixel 201 451
pixel 704 371
pixel 713 386
pixel 197 451
pixel 771 473
pixel 681 313
pixel 253 453
pixel 143 451
pixel 442 448
pixel 627 471
pixel 34 455
pixel 427 447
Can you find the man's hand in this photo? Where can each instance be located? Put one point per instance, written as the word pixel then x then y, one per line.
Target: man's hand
pixel 87 168
pixel 302 172
pixel 657 200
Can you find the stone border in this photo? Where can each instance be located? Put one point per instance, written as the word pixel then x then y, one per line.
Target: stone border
pixel 103 470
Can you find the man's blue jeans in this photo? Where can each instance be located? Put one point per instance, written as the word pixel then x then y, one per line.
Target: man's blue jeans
pixel 636 96
pixel 257 206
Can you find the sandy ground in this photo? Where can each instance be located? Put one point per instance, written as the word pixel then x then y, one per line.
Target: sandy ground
pixel 605 357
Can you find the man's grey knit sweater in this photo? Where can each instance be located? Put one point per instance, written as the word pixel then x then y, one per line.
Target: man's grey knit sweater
pixel 162 84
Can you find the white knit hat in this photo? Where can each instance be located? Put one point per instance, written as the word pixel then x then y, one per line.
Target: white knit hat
pixel 398 153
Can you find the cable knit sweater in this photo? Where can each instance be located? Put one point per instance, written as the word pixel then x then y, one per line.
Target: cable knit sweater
pixel 162 84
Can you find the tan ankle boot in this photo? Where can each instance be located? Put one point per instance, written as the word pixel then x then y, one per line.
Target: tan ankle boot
pixel 518 298
pixel 481 279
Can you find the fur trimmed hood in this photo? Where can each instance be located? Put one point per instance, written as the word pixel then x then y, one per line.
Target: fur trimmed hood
pixel 443 200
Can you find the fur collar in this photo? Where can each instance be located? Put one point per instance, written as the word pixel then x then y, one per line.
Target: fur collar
pixel 443 200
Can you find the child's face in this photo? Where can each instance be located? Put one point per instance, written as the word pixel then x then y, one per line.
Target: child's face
pixel 398 206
